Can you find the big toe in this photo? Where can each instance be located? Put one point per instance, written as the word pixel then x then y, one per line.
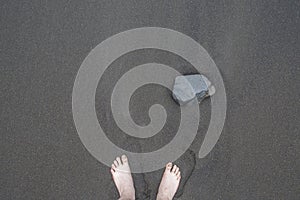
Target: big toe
pixel 168 167
pixel 124 159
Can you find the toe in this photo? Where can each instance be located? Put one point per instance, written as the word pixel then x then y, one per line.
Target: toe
pixel 174 168
pixel 113 166
pixel 168 166
pixel 178 175
pixel 112 171
pixel 119 160
pixel 124 159
pixel 116 163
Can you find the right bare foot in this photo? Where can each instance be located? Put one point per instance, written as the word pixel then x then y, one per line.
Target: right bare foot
pixel 169 183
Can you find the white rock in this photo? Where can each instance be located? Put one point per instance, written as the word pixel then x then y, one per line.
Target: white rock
pixel 189 87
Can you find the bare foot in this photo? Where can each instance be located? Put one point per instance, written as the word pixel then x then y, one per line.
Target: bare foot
pixel 169 183
pixel 122 177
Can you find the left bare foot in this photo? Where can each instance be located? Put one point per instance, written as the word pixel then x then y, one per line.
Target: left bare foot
pixel 122 177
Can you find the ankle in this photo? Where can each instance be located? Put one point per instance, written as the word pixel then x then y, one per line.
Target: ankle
pixel 126 196
pixel 162 196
